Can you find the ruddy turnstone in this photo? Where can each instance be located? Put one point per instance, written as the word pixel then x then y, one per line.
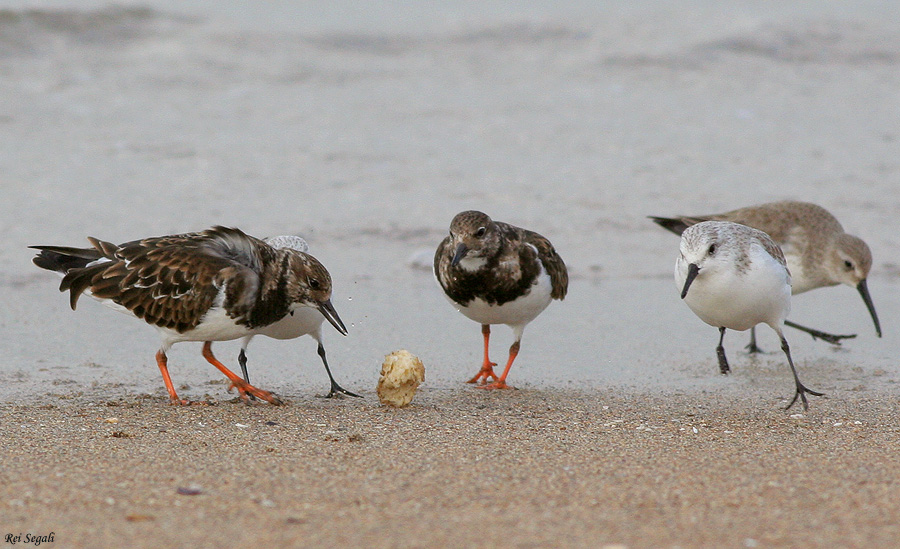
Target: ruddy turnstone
pixel 216 285
pixel 818 251
pixel 495 273
pixel 303 321
pixel 734 277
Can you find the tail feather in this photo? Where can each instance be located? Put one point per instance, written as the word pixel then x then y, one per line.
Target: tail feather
pixel 73 263
pixel 62 259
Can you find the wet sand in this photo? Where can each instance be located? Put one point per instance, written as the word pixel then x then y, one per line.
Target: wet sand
pixel 365 132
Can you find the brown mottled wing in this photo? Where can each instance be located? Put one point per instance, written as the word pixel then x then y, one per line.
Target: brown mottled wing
pixel 442 258
pixel 553 263
pixel 172 281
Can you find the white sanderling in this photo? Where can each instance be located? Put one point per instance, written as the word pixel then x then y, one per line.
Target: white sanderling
pixel 734 277
pixel 216 285
pixel 818 251
pixel 495 273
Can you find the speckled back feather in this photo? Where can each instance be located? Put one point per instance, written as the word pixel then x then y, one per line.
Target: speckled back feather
pixel 510 266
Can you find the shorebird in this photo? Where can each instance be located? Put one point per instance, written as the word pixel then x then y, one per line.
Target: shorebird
pixel 304 321
pixel 216 285
pixel 734 277
pixel 818 251
pixel 495 273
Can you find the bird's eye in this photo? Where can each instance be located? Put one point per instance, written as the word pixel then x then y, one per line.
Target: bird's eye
pixel 712 249
pixel 480 232
pixel 314 283
pixel 848 265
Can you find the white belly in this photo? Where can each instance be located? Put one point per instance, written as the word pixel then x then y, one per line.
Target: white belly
pixel 216 326
pixel 513 313
pixel 305 320
pixel 738 301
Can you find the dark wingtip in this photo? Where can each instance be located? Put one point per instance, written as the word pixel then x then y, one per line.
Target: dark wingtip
pixel 675 225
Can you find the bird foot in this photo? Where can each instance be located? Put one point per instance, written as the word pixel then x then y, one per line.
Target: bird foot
pixel 802 392
pixel 834 339
pixel 245 391
pixel 186 402
pixel 339 392
pixel 753 349
pixel 499 384
pixel 486 372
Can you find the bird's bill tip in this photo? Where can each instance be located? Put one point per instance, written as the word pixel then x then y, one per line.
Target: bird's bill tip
pixel 461 251
pixel 863 289
pixel 693 269
pixel 327 310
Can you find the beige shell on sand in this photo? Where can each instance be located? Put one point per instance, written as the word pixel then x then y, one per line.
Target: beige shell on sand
pixel 401 374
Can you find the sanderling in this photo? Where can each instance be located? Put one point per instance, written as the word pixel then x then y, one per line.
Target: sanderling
pixel 734 277
pixel 495 273
pixel 303 321
pixel 818 251
pixel 216 285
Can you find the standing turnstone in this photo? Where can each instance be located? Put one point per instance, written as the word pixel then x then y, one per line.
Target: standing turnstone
pixel 495 273
pixel 215 285
pixel 303 321
pixel 818 251
pixel 734 277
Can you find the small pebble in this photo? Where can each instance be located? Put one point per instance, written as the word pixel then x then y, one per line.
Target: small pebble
pixel 192 490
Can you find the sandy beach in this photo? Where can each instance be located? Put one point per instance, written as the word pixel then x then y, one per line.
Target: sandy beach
pixel 459 467
pixel 365 131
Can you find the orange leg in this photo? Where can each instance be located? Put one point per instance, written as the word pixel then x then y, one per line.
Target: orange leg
pixel 242 386
pixel 501 381
pixel 487 368
pixel 163 362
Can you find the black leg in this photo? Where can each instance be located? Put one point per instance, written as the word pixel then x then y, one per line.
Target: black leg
pixel 816 334
pixel 751 347
pixel 335 388
pixel 801 390
pixel 242 360
pixel 720 352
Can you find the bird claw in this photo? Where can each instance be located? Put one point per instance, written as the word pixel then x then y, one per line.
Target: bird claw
pixel 339 392
pixel 495 385
pixel 753 349
pixel 801 392
pixel 486 372
pixel 834 339
pixel 246 391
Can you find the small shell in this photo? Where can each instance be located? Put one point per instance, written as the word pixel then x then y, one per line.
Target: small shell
pixel 401 374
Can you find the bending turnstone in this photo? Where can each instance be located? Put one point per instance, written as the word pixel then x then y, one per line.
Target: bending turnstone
pixel 495 273
pixel 818 251
pixel 734 277
pixel 304 321
pixel 215 285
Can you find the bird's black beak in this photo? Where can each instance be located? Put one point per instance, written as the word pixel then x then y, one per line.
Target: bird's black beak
pixel 693 269
pixel 461 252
pixel 863 289
pixel 327 310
